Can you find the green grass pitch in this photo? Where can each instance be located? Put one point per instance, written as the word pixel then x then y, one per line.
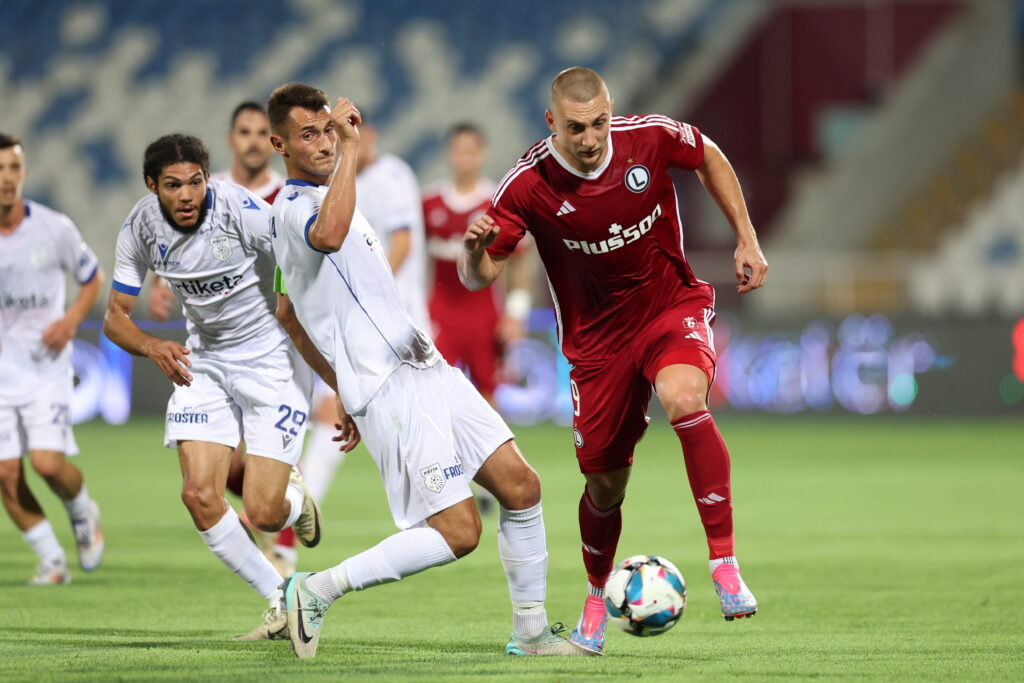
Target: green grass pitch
pixel 878 548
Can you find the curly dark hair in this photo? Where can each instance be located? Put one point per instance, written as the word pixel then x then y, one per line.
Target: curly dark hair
pixel 175 148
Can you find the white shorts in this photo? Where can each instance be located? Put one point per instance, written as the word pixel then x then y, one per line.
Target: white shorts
pixel 42 425
pixel 429 431
pixel 263 400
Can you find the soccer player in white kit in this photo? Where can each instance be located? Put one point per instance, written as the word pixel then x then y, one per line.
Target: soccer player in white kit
pixel 236 378
pixel 388 195
pixel 426 427
pixel 39 248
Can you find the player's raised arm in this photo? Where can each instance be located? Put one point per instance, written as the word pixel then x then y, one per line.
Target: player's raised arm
pixel 332 224
pixel 169 356
pixel 719 179
pixel 477 267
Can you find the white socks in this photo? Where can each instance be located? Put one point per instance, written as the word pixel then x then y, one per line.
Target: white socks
pixel 229 542
pixel 524 555
pixel 43 542
pixel 78 507
pixel 320 460
pixel 294 494
pixel 404 554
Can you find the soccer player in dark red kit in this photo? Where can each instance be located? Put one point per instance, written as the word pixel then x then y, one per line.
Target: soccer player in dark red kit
pixel 470 327
pixel 598 199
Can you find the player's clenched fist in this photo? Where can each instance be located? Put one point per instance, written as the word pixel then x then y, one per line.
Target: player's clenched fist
pixel 348 432
pixel 346 117
pixel 481 234
pixel 748 256
pixel 170 357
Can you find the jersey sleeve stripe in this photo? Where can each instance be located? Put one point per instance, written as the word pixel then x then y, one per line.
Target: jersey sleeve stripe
pixel 87 280
pixel 125 289
pixel 305 233
pixel 527 158
pixel 513 174
pixel 674 129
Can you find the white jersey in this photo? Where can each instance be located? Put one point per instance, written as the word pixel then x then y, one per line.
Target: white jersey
pixel 222 273
pixel 34 261
pixel 347 301
pixel 388 195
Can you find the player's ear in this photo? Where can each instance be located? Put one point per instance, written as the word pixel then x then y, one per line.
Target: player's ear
pixel 550 118
pixel 277 142
pixel 151 184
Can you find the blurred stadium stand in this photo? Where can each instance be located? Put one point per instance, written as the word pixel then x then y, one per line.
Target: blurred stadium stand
pixel 89 84
pixel 880 144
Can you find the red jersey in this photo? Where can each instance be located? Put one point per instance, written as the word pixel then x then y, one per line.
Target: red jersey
pixel 267 192
pixel 447 215
pixel 611 240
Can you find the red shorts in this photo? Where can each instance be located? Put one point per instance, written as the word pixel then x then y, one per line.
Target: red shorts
pixel 474 349
pixel 610 397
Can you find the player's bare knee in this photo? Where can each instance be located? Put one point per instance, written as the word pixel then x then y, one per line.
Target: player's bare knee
pixel 202 501
pixel 10 473
pixel 463 539
pixel 47 465
pixel 526 492
pixel 265 516
pixel 685 403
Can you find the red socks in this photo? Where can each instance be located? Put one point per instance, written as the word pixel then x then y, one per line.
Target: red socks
pixel 707 468
pixel 600 531
pixel 286 537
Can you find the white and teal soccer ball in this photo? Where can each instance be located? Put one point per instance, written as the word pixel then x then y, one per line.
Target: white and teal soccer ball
pixel 645 595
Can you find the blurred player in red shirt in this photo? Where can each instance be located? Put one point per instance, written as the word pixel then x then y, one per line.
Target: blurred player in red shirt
pixel 598 199
pixel 469 327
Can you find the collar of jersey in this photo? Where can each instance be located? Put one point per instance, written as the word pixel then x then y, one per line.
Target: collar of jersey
pixel 302 183
pixel 593 175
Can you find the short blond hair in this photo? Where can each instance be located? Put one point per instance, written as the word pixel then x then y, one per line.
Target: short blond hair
pixel 577 84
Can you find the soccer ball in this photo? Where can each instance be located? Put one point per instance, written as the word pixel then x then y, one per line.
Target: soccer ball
pixel 645 595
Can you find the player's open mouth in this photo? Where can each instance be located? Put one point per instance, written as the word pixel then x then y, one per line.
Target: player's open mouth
pixel 186 213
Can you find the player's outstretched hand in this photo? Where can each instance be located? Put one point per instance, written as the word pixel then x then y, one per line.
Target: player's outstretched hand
pixel 480 234
pixel 161 298
pixel 170 357
pixel 748 257
pixel 348 432
pixel 59 333
pixel 346 117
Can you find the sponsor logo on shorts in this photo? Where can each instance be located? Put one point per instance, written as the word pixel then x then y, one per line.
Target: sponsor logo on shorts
pixel 188 417
pixel 577 436
pixel 453 471
pixel 433 477
pixel 286 440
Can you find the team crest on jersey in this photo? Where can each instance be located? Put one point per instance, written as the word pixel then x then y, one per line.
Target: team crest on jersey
pixel 433 478
pixel 38 257
pixel 221 248
pixel 638 178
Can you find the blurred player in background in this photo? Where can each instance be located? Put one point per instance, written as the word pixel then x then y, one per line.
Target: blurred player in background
pixel 389 196
pixel 249 140
pixel 598 198
pixel 236 378
pixel 469 326
pixel 39 248
pixel 427 429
